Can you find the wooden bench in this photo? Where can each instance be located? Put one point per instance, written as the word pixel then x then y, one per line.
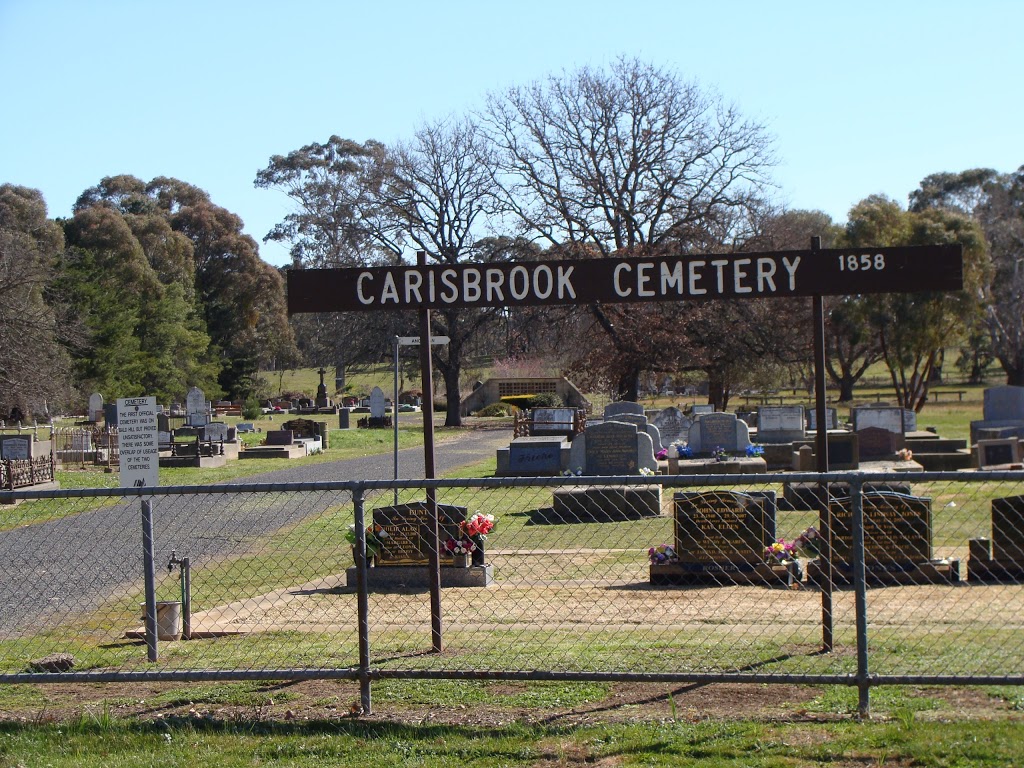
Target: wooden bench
pixel 958 392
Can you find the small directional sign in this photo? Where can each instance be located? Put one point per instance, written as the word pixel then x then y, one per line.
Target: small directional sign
pixel 413 341
pixel 138 442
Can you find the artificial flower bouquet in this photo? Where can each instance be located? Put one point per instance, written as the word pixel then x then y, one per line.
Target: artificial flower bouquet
pixel 661 554
pixel 460 546
pixel 477 526
pixel 804 545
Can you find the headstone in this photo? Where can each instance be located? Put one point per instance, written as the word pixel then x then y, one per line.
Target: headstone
pixel 780 424
pixel 1000 558
pixel 718 431
pixel 280 437
pixel 1003 403
pixel 613 448
pixel 617 409
pixel 641 423
pixel 909 420
pixel 723 531
pixel 110 414
pixel 673 424
pixel 831 419
pixel 217 431
pixel 405 531
pixel 700 410
pixel 95 407
pixel 322 401
pixel 245 426
pixel 536 455
pixel 16 447
pixel 897 531
pixel 302 427
pixel 164 437
pixel 548 421
pixel 81 441
pixel 195 408
pixel 163 423
pixel 993 453
pixel 879 429
pixel 378 403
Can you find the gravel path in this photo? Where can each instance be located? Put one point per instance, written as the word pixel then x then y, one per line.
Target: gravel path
pixel 56 570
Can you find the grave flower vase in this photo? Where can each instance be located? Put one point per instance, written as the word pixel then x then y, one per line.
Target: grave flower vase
pixel 478 553
pixel 460 561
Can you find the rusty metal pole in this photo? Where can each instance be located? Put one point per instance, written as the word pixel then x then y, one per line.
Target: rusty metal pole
pixel 821 447
pixel 434 563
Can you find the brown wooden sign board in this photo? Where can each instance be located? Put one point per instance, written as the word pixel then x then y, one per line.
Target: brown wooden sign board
pixel 772 274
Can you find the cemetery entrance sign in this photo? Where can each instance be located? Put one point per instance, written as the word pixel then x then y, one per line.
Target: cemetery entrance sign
pixel 772 274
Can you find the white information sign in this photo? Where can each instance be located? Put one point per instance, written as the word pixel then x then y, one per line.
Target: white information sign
pixel 138 443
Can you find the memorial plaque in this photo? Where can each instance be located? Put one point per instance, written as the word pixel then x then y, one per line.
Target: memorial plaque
pixel 1008 529
pixel 897 531
pixel 535 456
pixel 723 531
pixel 611 449
pixel 405 531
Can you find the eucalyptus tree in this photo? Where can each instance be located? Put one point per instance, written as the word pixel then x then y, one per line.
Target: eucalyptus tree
pixel 34 367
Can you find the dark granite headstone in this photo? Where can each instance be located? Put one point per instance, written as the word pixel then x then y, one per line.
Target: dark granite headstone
pixel 877 443
pixel 992 453
pixel 110 414
pixel 280 437
pixel 723 531
pixel 1008 529
pixel 611 449
pixel 405 531
pixel 897 531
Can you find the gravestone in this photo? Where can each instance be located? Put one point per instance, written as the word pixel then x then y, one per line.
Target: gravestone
pixel 528 456
pixel 405 531
pixel 879 429
pixel 1000 558
pixel 245 426
pixel 909 420
pixel 721 537
pixel 700 410
pixel 780 424
pixel 16 447
pixel 552 421
pixel 994 453
pixel 280 437
pixel 642 424
pixel 378 403
pixel 897 541
pixel 110 414
pixel 831 419
pixel 95 407
pixel 623 407
pixel 322 400
pixel 718 431
pixel 196 414
pixel 673 425
pixel 613 448
pixel 217 431
pixel 1002 414
pixel 163 423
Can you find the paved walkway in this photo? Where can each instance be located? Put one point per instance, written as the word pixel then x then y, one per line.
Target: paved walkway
pixel 57 570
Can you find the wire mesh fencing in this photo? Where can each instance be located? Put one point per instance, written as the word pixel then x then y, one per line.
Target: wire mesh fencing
pixel 846 578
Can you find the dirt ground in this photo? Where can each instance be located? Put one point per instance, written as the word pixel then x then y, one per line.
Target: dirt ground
pixel 325 701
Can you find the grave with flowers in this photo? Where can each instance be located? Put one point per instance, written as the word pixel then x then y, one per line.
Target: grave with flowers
pixel 716 444
pixel 721 538
pixel 401 540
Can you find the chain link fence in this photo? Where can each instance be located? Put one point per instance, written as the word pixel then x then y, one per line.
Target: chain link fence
pixel 900 578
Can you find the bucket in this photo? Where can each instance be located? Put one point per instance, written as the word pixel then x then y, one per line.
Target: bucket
pixel 168 620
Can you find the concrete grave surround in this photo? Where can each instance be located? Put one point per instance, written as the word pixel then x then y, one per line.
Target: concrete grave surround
pixel 718 430
pixel 673 424
pixel 624 407
pixel 780 423
pixel 613 448
pixel 378 404
pixel 641 423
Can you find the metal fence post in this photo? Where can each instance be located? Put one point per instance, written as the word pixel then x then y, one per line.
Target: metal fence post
pixel 149 575
pixel 362 599
pixel 861 596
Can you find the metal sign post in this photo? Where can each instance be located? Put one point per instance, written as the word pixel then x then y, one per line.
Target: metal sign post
pixel 402 341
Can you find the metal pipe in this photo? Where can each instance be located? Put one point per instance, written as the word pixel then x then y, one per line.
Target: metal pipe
pixel 149 576
pixel 861 598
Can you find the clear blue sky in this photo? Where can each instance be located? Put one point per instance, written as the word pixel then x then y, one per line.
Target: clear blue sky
pixel 862 98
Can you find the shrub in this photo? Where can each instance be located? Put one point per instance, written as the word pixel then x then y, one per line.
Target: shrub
pixel 251 409
pixel 519 401
pixel 547 400
pixel 497 409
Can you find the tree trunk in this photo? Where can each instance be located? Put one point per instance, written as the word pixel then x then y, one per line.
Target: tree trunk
pixel 629 386
pixel 846 389
pixel 716 391
pixel 452 371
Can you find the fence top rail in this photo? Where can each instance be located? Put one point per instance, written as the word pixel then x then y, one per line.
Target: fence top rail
pixel 664 481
